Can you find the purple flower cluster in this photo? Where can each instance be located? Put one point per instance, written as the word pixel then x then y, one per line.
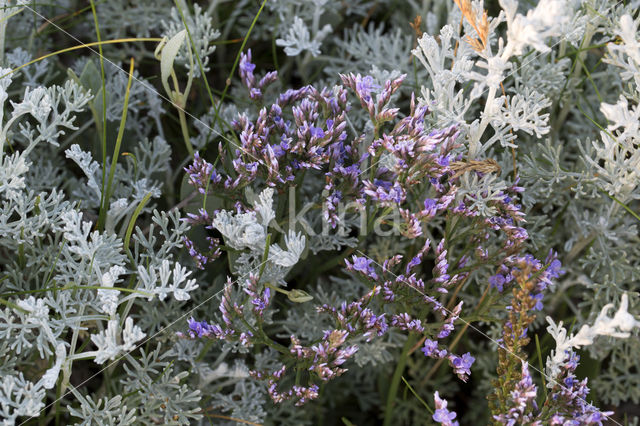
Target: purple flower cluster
pixel 202 174
pixel 357 318
pixel 568 396
pixel 447 327
pixel 566 404
pixel 523 399
pixel 259 301
pixel 545 275
pixel 461 364
pixel 312 140
pixel 363 265
pixel 404 322
pixel 327 356
pixel 301 394
pixel 303 133
pixel 198 257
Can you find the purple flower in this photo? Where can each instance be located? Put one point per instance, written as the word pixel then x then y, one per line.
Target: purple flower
pixel 199 328
pixel 442 415
pixel 417 260
pixel 462 365
pixel 246 70
pixel 261 303
pixel 572 362
pixel 497 281
pixel 255 93
pixel 430 349
pixel 364 86
pixel 363 265
pixel 200 172
pixel 430 207
pixel 405 322
pixel 554 270
pixel 316 132
pixel 384 193
pixel 329 124
pixel 443 161
pixel 245 63
pixel 538 298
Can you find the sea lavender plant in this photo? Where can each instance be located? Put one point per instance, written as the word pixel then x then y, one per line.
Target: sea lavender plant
pixel 360 239
pixel 275 151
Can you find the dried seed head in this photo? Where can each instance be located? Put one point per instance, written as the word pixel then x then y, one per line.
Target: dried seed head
pixel 480 25
pixel 484 166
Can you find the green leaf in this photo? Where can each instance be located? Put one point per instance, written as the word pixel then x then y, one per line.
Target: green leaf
pixel 97 101
pixel 168 56
pixel 90 77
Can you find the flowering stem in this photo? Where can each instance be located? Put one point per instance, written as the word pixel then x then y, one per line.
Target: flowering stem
pixel 395 381
pixel 104 210
pixel 265 257
pixel 264 338
pixel 456 340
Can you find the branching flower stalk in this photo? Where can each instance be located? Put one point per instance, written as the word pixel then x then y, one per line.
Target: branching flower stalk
pixel 511 352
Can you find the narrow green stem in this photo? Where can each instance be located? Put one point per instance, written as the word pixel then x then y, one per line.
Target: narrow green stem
pixel 102 216
pixel 540 366
pixel 395 381
pixel 417 396
pixel 3 28
pixel 278 289
pixel 58 411
pixel 185 131
pixel 13 306
pixel 116 150
pixel 66 374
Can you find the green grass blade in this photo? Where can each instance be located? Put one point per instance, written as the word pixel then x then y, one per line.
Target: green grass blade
pixel 102 216
pixel 132 222
pixel 116 150
pixel 623 205
pixel 417 396
pixel 13 306
pixel 540 366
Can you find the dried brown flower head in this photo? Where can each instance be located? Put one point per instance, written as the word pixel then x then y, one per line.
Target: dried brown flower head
pixel 416 25
pixel 484 166
pixel 479 23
